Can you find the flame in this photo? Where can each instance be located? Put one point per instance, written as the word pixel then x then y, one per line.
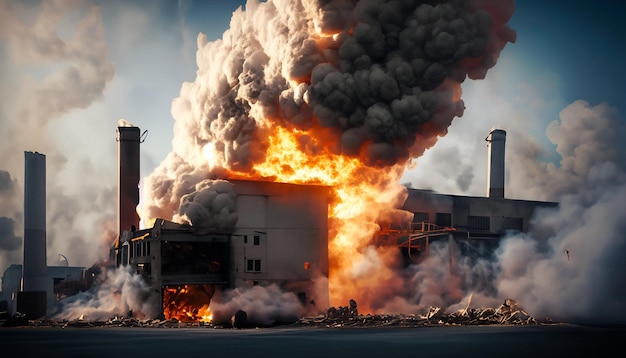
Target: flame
pixel 361 195
pixel 188 303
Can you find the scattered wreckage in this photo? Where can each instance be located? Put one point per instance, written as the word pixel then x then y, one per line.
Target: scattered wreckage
pixel 508 313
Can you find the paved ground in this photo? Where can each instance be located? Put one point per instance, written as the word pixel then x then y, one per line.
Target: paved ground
pixel 465 341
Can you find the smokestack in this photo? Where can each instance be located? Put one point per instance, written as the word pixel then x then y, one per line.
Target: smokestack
pixel 495 163
pixel 128 139
pixel 32 301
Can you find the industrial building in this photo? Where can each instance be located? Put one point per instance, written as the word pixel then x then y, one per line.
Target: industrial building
pixel 280 235
pixel 476 224
pixel 60 282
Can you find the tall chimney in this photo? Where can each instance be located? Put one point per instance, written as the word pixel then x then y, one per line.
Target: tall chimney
pixel 128 139
pixel 32 301
pixel 495 162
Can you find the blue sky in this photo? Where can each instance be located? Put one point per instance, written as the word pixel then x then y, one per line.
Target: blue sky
pixel 579 42
pixel 565 51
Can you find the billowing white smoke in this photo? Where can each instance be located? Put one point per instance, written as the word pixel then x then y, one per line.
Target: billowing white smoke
pixel 378 80
pixel 264 305
pixel 55 61
pixel 117 293
pixel 445 279
pixel 374 80
pixel 213 204
pixel 571 265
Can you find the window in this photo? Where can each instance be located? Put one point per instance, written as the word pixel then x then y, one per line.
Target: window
pixel 515 224
pixel 194 258
pixel 420 217
pixel 253 265
pixel 143 270
pixel 257 240
pixel 478 222
pixel 443 219
pixel 245 239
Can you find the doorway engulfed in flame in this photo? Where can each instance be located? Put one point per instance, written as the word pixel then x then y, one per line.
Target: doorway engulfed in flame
pixel 188 303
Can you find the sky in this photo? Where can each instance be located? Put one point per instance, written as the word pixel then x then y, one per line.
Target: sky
pixel 69 76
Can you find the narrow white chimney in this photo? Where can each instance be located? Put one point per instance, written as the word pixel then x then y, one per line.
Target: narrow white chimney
pixel 495 163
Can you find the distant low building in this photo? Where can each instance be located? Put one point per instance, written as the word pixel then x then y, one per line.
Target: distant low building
pixel 62 281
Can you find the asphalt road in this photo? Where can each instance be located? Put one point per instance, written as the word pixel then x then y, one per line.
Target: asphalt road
pixel 457 341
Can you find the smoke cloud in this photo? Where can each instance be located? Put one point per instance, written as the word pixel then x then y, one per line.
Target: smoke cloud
pixel 213 204
pixel 264 305
pixel 8 240
pixel 379 79
pixel 373 81
pixel 58 62
pixel 570 265
pixel 10 220
pixel 116 293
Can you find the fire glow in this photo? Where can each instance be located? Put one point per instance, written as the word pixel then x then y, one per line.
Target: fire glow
pixel 188 303
pixel 344 95
pixel 362 196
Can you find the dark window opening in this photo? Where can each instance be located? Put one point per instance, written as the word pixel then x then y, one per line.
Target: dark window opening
pixel 245 239
pixel 478 223
pixel 302 297
pixel 194 258
pixel 144 270
pixel 515 224
pixel 253 265
pixel 419 218
pixel 443 219
pixel 257 240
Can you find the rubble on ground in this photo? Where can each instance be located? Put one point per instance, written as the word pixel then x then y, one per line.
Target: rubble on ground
pixel 508 313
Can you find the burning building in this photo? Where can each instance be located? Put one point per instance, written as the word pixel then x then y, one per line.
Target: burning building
pixel 237 233
pixel 335 94
pixel 280 237
pixel 476 223
pixel 242 233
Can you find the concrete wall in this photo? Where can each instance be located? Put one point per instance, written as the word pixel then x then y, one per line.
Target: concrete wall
pixel 285 228
pixel 502 214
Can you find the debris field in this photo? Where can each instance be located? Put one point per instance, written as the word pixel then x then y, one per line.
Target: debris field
pixel 508 313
